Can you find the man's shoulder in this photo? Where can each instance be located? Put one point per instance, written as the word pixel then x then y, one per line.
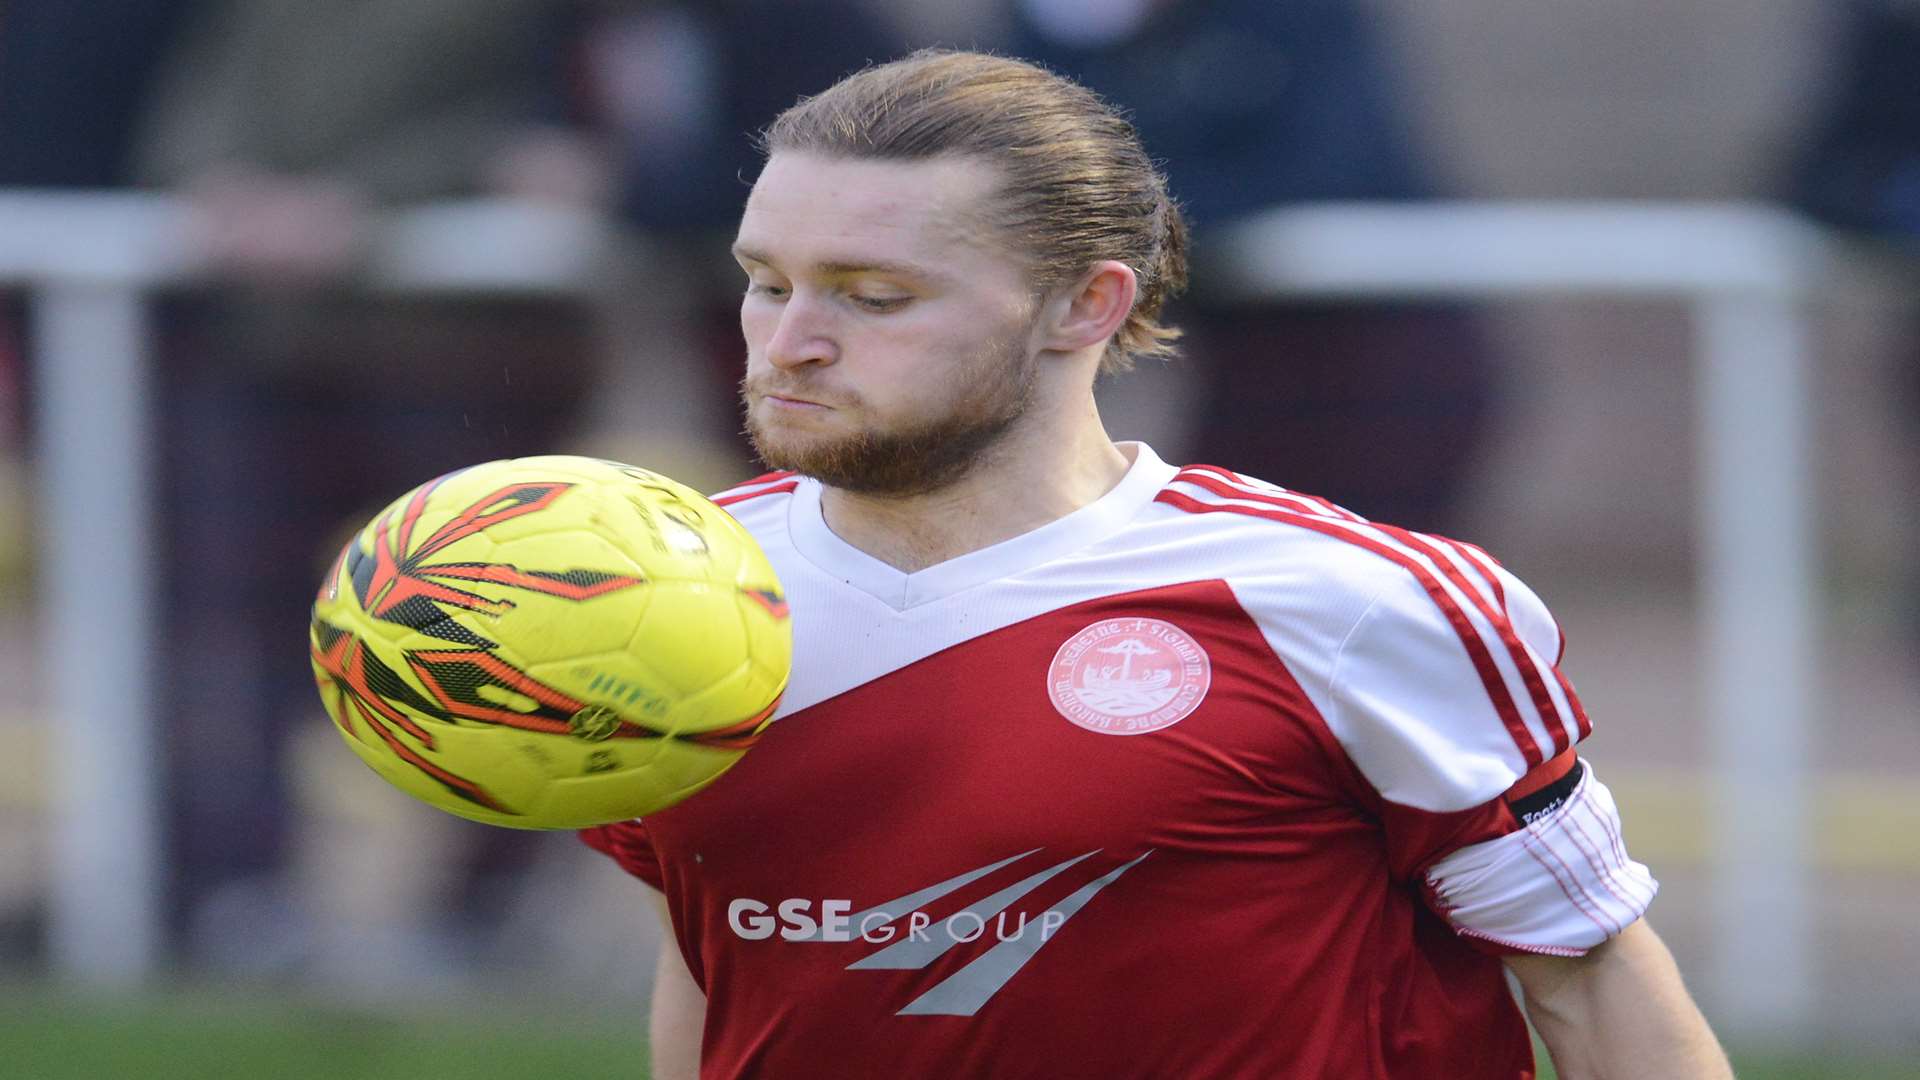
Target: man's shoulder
pixel 1256 530
pixel 778 482
pixel 760 506
pixel 760 499
pixel 1283 549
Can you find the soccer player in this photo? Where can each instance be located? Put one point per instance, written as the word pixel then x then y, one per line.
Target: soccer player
pixel 1092 766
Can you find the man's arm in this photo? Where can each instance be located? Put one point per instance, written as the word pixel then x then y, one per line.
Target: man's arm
pixel 1620 1011
pixel 679 1009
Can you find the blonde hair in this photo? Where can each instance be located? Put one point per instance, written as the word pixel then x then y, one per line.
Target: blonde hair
pixel 1078 186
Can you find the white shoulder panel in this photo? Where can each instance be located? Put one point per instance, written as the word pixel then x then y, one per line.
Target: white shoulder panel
pixel 1432 666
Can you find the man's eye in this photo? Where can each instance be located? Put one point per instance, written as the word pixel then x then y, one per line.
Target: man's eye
pixel 774 292
pixel 882 303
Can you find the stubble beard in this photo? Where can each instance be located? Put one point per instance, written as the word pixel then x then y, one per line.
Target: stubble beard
pixel 915 457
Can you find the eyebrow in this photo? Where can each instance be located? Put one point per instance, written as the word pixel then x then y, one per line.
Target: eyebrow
pixel 839 267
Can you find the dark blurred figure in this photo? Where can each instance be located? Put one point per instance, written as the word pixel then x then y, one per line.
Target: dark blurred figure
pixel 72 81
pixel 685 86
pixel 296 403
pixel 1859 170
pixel 1255 104
pixel 73 78
pixel 676 90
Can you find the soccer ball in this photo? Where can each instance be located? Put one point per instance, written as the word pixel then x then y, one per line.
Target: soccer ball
pixel 551 642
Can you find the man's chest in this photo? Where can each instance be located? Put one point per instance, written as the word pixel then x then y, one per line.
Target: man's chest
pixel 1156 724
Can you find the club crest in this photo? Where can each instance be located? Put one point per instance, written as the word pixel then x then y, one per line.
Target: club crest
pixel 1129 676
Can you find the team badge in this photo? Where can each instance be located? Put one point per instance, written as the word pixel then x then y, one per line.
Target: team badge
pixel 1129 676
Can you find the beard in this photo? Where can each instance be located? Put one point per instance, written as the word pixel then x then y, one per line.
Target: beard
pixel 909 457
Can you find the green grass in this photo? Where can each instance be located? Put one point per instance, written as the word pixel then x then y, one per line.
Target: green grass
pixel 199 1034
pixel 1801 1065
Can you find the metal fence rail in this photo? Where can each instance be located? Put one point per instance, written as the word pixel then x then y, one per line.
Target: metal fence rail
pixel 1746 271
pixel 89 261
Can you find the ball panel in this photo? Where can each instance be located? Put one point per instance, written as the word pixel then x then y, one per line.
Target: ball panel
pixel 692 634
pixel 679 771
pixel 550 642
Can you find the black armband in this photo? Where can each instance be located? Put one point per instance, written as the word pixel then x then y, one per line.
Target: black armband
pixel 1535 805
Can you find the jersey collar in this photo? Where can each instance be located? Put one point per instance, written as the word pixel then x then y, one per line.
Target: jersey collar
pixel 819 545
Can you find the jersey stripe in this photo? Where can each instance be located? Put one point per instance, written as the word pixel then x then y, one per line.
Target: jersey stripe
pixel 1552 716
pixel 767 478
pixel 1482 562
pixel 1233 485
pixel 1489 565
pixel 1580 721
pixel 1491 679
pixel 1563 718
pixel 772 483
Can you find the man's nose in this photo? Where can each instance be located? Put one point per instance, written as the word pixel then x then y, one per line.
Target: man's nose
pixel 802 336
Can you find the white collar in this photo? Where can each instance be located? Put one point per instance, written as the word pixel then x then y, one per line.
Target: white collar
pixel 818 544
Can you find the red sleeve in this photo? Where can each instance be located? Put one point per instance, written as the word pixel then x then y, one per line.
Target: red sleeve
pixel 626 843
pixel 1416 839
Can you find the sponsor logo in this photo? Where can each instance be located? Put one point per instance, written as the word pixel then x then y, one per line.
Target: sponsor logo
pixel 1129 676
pixel 913 938
pixel 794 920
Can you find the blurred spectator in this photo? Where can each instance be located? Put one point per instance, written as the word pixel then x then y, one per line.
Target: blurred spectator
pixel 14 525
pixel 1254 105
pixel 1860 167
pixel 296 403
pixel 684 87
pixel 677 89
pixel 72 78
pixel 1859 170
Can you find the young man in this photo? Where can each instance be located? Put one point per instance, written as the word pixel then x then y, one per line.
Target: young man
pixel 1091 766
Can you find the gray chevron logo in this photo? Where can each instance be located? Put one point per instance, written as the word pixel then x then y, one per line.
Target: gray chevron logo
pixel 914 939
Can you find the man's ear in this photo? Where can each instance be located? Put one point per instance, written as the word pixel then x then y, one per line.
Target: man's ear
pixel 1090 310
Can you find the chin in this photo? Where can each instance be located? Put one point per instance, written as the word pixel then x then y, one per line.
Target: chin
pixel 783 444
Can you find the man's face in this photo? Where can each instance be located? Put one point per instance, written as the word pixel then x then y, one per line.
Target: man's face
pixel 889 343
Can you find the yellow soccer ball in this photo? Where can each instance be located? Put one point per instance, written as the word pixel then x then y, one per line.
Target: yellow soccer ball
pixel 551 642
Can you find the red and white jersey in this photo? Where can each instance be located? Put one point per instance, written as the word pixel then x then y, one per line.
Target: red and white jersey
pixel 1205 779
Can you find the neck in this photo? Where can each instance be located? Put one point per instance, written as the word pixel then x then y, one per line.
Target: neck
pixel 1047 467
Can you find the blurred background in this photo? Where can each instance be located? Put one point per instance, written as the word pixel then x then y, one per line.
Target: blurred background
pixel 1626 292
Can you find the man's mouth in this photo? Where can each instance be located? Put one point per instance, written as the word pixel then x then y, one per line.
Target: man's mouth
pixel 790 400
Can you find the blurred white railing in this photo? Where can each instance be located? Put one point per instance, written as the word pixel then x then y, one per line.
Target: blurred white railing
pixel 89 261
pixel 1745 270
